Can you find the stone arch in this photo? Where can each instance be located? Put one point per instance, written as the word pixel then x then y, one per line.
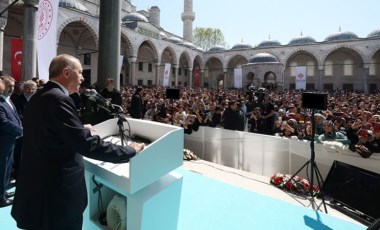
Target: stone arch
pixel 306 51
pixel 124 37
pixel 85 22
pixel 342 46
pixel 172 52
pixel 153 47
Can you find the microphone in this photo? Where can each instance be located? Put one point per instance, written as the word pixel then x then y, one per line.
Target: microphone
pixel 99 98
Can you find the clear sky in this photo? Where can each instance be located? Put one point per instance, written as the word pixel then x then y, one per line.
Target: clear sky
pixel 253 21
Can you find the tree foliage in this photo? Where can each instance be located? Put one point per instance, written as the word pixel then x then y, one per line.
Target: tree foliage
pixel 208 37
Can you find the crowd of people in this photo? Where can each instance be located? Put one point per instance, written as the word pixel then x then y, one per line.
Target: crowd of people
pixel 351 118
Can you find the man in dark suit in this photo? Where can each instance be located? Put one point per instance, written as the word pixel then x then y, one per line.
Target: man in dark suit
pixel 10 130
pixel 29 88
pixel 137 106
pixel 51 189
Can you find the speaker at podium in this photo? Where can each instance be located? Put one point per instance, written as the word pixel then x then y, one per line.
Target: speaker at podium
pixel 148 176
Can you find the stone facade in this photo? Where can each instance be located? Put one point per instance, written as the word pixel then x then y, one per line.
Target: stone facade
pixel 338 64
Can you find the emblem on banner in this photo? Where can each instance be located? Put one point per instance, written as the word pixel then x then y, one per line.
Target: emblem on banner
pixel 45 17
pixel 300 75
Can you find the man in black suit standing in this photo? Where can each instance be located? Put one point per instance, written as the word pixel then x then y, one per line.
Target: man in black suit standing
pixel 51 189
pixel 10 130
pixel 137 106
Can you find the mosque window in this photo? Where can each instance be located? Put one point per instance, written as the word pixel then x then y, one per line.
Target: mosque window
pixel 372 87
pixel 179 83
pixel 173 70
pixel 150 67
pixel 173 83
pixel 185 84
pixel 140 82
pixel 141 66
pixel 293 66
pixel 372 67
pixel 150 82
pixel 328 68
pixel 185 72
pixel 348 67
pixel 310 86
pixel 349 87
pixel 310 68
pixel 179 71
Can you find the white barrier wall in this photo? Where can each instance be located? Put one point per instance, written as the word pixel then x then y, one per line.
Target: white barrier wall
pixel 266 155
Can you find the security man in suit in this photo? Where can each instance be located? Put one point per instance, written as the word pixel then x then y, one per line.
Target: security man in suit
pixel 10 130
pixel 51 190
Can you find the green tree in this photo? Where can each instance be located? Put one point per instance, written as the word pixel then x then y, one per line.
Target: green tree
pixel 208 37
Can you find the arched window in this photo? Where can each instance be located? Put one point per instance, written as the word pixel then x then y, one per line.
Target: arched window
pixel 310 68
pixel 328 68
pixel 348 67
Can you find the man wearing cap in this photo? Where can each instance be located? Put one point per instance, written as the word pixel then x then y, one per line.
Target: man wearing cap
pixel 331 135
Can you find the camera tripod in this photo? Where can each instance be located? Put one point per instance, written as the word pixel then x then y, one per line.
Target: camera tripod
pixel 313 168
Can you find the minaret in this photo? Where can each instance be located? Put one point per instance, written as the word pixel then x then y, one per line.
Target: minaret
pixel 188 17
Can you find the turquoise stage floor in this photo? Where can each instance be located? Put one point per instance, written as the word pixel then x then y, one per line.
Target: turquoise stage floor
pixel 207 204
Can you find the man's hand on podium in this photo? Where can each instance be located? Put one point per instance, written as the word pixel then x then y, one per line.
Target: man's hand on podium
pixel 137 146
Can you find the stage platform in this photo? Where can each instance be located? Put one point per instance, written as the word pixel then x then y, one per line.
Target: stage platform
pixel 218 197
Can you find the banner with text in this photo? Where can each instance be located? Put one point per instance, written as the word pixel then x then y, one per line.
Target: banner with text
pixel 238 79
pixel 166 74
pixel 301 77
pixel 16 63
pixel 47 15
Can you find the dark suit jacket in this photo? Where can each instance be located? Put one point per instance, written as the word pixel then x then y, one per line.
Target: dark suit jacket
pixel 10 129
pixel 51 186
pixel 20 103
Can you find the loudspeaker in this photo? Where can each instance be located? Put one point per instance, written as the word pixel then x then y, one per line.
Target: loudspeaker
pixel 172 93
pixel 353 190
pixel 314 101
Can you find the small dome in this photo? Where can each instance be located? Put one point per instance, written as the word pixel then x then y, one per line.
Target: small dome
pixel 240 46
pixel 269 43
pixel 375 33
pixel 73 4
pixel 175 40
pixel 301 40
pixel 163 35
pixel 341 35
pixel 216 48
pixel 134 17
pixel 263 58
pixel 189 45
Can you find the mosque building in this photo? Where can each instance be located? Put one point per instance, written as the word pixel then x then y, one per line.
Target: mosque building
pixel 341 61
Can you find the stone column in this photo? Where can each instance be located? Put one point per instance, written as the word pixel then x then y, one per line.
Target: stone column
pixel 29 41
pixel 3 23
pixel 202 78
pixel 175 76
pixel 190 77
pixel 320 78
pixel 225 78
pixel 132 74
pixel 109 42
pixel 365 80
pixel 157 74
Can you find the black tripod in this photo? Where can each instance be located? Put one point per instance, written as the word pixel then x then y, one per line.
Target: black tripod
pixel 313 167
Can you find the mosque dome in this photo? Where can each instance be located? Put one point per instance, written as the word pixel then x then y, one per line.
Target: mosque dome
pixel 269 43
pixel 263 58
pixel 375 33
pixel 175 40
pixel 341 35
pixel 73 4
pixel 134 17
pixel 301 40
pixel 216 48
pixel 240 46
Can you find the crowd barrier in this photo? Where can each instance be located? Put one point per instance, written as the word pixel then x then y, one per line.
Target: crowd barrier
pixel 266 155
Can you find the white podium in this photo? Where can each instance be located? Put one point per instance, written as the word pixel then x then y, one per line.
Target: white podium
pixel 151 188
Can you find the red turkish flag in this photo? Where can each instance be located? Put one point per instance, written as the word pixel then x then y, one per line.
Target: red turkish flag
pixel 16 58
pixel 196 77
